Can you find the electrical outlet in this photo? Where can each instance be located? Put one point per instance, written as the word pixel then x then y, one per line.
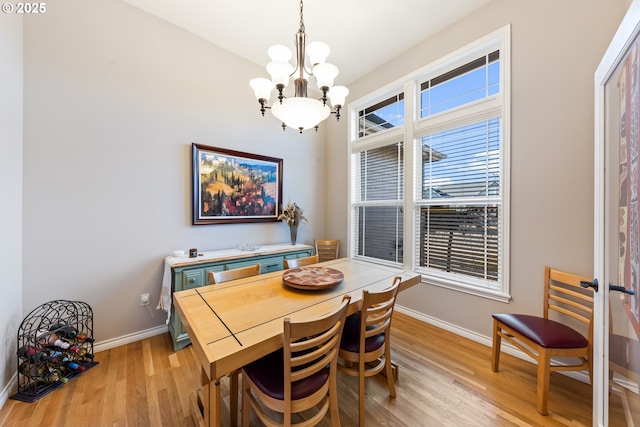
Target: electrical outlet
pixel 144 300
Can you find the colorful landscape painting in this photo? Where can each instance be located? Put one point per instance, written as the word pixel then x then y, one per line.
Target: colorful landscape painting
pixel 231 186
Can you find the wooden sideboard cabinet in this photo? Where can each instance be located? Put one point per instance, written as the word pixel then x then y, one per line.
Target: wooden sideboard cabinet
pixel 187 273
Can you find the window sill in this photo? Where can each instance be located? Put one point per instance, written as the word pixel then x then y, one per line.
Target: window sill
pixel 467 289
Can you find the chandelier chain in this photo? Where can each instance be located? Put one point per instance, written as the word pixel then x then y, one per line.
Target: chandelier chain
pixel 301 18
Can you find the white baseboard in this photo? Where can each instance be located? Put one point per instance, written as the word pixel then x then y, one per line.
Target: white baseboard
pixel 482 339
pixel 127 339
pixel 8 388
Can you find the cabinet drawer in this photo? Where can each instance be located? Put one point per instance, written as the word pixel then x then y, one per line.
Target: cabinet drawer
pixel 272 264
pixel 267 265
pixel 192 278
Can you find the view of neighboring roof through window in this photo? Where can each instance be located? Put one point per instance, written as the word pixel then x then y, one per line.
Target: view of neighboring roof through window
pixel 383 115
pixel 472 81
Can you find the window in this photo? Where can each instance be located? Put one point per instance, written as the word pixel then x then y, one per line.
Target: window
pixel 383 115
pixel 448 220
pixel 460 205
pixel 378 212
pixel 472 81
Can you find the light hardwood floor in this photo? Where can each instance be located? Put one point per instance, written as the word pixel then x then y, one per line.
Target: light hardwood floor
pixel 444 380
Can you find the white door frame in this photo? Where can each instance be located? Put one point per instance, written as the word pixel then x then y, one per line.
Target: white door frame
pixel 625 35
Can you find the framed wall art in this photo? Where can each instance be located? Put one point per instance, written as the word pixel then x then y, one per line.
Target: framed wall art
pixel 233 187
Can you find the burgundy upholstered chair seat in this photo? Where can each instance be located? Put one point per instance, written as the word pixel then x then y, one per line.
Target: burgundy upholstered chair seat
pixel 351 336
pixel 545 332
pixel 546 340
pixel 267 373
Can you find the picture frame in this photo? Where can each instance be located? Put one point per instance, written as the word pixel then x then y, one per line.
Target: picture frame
pixel 231 187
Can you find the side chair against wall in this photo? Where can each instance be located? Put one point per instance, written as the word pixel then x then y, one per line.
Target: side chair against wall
pixel 221 277
pixel 327 249
pixel 543 338
pixel 300 375
pixel 365 349
pixel 300 262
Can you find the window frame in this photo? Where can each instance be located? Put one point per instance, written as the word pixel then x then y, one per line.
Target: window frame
pixel 411 133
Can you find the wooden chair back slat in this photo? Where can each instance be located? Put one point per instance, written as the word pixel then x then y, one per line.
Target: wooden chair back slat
pixel 237 273
pixel 327 249
pixel 300 262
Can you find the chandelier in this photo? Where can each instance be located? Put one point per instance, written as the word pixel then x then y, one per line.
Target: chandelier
pixel 300 112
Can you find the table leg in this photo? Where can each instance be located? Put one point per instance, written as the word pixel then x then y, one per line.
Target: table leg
pixel 210 402
pixel 233 398
pixel 214 403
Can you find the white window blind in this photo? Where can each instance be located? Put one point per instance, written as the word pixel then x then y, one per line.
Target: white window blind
pixel 459 209
pixel 378 208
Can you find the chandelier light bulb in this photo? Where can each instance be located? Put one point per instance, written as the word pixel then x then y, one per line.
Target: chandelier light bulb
pixel 337 95
pixel 262 88
pixel 280 72
pixel 325 74
pixel 279 53
pixel 318 52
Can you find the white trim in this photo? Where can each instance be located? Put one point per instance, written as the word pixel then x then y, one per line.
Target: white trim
pixel 623 38
pixel 468 114
pixel 408 224
pixel 130 338
pixel 450 327
pixel 464 287
pixel 8 389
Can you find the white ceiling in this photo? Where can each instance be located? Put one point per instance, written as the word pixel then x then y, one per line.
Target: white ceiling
pixel 362 33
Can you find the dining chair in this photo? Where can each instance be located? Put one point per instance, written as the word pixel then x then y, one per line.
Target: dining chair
pixel 221 277
pixel 298 376
pixel 327 249
pixel 236 273
pixel 365 348
pixel 300 262
pixel 542 338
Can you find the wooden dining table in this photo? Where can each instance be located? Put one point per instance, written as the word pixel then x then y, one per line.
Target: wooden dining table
pixel 234 323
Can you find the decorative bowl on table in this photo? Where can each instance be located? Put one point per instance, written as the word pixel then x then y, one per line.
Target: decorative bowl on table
pixel 248 247
pixel 312 277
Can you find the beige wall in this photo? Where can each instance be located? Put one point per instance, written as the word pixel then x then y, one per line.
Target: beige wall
pixel 113 99
pixel 556 47
pixel 10 194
